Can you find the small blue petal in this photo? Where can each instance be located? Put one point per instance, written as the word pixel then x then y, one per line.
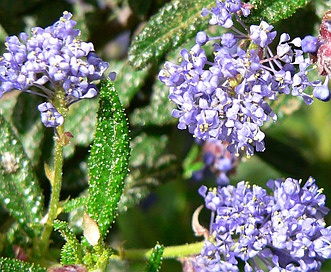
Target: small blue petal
pixel 309 44
pixel 322 92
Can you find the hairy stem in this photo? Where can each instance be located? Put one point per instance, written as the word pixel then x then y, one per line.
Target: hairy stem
pixel 55 194
pixel 56 177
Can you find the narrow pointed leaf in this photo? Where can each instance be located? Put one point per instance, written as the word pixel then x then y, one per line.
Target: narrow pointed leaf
pixel 74 203
pixel 19 188
pixel 175 23
pixel 108 163
pixel 155 260
pixel 14 265
pixel 72 252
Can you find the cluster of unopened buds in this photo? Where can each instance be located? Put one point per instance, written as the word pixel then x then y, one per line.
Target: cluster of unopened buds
pixel 227 96
pixel 52 63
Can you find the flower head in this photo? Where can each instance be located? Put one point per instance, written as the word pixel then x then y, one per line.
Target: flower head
pixel 262 34
pixel 49 61
pixel 285 230
pixel 227 95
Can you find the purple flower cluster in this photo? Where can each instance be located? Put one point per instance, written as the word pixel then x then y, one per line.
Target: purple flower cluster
pixel 227 96
pixel 217 160
pixel 50 61
pixel 283 231
pixel 222 13
pixel 49 115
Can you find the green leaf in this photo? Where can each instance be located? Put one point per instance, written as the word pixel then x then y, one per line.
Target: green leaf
pixel 97 258
pixel 158 112
pixel 80 123
pixel 15 235
pixel 273 11
pixel 7 103
pixel 108 162
pixel 74 203
pixel 72 252
pixel 147 149
pixel 14 265
pixel 19 188
pixel 128 81
pixel 155 260
pixel 192 162
pixel 26 119
pixel 175 23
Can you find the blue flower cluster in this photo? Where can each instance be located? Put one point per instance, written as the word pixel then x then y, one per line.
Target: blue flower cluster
pixel 283 231
pixel 51 60
pixel 227 96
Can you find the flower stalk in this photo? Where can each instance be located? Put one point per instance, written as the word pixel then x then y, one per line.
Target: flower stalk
pixel 170 252
pixel 56 177
pixel 55 194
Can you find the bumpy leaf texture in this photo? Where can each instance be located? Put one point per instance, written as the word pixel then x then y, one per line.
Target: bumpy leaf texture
pixel 19 188
pixel 155 260
pixel 14 265
pixel 108 163
pixel 71 252
pixel 179 21
pixel 174 24
pixel 274 10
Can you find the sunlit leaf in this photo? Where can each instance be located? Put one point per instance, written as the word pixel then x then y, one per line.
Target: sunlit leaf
pixel 275 10
pixel 174 24
pixel 192 162
pixel 74 203
pixel 14 265
pixel 72 252
pixel 155 260
pixel 108 163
